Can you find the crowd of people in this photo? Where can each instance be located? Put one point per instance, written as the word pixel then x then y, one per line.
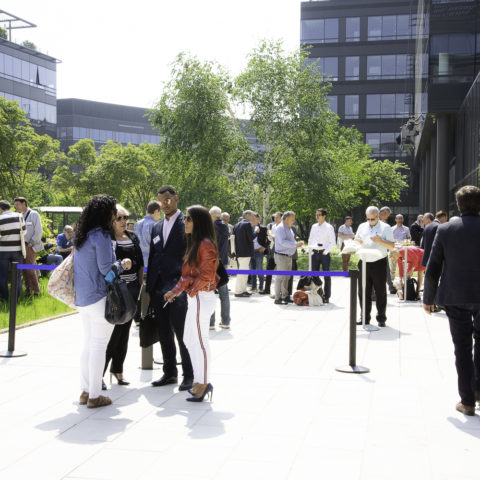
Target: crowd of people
pixel 183 252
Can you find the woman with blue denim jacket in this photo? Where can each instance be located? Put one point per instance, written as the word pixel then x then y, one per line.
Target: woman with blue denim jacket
pixel 94 263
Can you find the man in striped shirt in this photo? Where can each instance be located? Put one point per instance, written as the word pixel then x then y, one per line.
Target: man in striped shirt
pixel 10 245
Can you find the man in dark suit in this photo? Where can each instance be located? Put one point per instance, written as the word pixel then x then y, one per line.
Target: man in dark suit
pixel 416 230
pixel 455 258
pixel 429 232
pixel 243 232
pixel 167 249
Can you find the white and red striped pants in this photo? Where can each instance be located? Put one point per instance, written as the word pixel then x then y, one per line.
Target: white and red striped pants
pixel 195 335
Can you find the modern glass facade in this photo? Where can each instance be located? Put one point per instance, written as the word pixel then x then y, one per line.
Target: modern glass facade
pixel 101 122
pixel 367 49
pixel 30 78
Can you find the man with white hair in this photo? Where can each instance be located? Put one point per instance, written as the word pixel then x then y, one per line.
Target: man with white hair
pixel 375 235
pixel 221 231
pixel 65 241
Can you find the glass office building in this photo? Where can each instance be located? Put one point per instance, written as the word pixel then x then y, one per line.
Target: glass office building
pixel 367 48
pixel 30 78
pixel 101 122
pixel 447 152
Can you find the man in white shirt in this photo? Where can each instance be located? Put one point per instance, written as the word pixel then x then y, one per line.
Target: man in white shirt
pixel 321 241
pixel 345 232
pixel 400 234
pixel 376 235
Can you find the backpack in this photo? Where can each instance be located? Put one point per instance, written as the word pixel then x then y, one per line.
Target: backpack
pixel 412 289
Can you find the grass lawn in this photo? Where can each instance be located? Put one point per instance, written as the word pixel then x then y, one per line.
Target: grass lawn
pixel 335 261
pixel 33 308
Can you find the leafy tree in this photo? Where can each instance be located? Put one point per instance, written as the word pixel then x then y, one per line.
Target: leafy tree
pixel 29 44
pixel 23 154
pixel 3 33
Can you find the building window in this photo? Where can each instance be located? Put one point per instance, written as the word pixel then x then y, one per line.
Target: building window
pixel 320 30
pixel 332 104
pixel 352 29
pixel 352 68
pixel 389 66
pixel 391 27
pixel 382 143
pixel 389 105
pixel 328 66
pixel 351 106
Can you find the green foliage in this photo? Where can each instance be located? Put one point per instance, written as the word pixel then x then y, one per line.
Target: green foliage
pixel 29 44
pixel 3 33
pixel 22 154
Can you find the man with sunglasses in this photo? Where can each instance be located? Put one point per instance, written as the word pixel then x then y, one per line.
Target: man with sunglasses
pixel 376 235
pixel 167 249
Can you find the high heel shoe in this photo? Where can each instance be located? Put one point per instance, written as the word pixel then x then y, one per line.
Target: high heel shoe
pixel 120 381
pixel 208 390
pixel 104 386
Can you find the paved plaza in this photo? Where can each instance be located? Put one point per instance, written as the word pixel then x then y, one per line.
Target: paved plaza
pixel 279 409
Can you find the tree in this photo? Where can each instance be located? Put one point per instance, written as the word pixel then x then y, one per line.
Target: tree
pixel 23 154
pixel 202 143
pixel 29 44
pixel 3 33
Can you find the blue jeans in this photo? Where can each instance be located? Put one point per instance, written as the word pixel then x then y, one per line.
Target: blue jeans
pixel 224 306
pixel 5 259
pixel 256 263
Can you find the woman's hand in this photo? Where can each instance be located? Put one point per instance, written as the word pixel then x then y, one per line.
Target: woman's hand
pixel 169 296
pixel 126 264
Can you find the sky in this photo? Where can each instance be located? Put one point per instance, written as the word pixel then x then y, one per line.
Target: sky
pixel 120 51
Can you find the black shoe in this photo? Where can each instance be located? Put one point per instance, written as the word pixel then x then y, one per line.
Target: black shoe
pixel 165 381
pixel 186 384
pixel 120 381
pixel 207 392
pixel 244 294
pixel 393 292
pixel 361 323
pixel 264 292
pixel 288 300
pixel 381 323
pixel 326 300
pixel 104 386
pixel 279 302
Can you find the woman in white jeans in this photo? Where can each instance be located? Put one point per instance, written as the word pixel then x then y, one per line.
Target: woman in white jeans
pixel 94 263
pixel 199 279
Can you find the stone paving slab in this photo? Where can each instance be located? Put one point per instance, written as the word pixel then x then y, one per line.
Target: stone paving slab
pixel 279 410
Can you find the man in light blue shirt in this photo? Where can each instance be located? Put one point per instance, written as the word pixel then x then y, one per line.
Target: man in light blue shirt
pixel 285 248
pixel 376 235
pixel 143 228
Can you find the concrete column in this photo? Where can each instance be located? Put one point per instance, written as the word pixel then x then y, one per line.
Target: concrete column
pixel 432 177
pixel 441 173
pixel 426 181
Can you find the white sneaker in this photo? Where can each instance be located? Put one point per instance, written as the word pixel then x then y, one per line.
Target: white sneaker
pixel 212 327
pixel 221 325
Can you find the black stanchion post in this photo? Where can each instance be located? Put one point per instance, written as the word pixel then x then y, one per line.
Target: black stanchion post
pixel 11 352
pixel 352 367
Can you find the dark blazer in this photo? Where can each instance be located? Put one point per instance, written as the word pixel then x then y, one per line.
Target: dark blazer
pixel 262 237
pixel 416 232
pixel 221 231
pixel 243 232
pixel 427 240
pixel 455 257
pixel 165 260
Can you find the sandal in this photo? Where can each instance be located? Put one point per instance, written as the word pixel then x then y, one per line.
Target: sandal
pixel 100 401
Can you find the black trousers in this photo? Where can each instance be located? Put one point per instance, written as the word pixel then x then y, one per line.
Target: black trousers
pixel 319 259
pixel 118 344
pixel 270 266
pixel 464 323
pixel 171 324
pixel 376 277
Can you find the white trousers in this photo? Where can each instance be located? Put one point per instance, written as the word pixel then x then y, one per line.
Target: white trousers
pixel 195 335
pixel 241 282
pixel 97 332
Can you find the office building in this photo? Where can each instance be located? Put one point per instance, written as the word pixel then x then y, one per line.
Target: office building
pixel 101 122
pixel 447 151
pixel 28 77
pixel 367 48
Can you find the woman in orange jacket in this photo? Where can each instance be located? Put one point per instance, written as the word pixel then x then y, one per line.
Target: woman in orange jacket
pixel 199 279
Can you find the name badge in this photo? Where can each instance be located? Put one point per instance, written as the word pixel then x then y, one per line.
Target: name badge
pixel 156 239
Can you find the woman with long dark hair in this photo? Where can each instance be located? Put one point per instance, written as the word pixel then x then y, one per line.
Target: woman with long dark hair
pixel 199 279
pixel 94 263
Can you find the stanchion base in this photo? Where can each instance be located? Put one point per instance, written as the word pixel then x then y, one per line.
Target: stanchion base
pixel 352 369
pixel 370 328
pixel 12 353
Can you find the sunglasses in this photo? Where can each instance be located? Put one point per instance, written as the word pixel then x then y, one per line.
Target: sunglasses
pixel 122 217
pixel 187 218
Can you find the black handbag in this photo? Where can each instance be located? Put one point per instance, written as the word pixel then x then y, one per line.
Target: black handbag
pixel 148 329
pixel 120 306
pixel 222 273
